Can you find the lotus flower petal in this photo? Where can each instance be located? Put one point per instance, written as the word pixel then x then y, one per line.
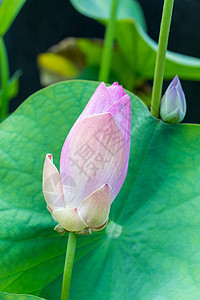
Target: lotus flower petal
pixel 100 227
pixel 116 91
pixel 69 219
pixel 93 155
pixel 175 115
pixel 85 231
pixel 121 112
pixel 94 210
pixel 99 102
pixel 52 185
pixel 102 99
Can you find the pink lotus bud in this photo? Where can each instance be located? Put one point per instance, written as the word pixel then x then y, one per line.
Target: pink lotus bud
pixel 173 105
pixel 93 165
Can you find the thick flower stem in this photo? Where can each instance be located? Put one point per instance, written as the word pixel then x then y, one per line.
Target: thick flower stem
pixel 108 44
pixel 4 69
pixel 69 260
pixel 161 54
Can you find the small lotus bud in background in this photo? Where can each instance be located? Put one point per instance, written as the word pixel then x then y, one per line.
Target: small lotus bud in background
pixel 173 104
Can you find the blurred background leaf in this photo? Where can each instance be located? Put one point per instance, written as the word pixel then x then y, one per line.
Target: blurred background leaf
pixel 9 87
pixel 134 54
pixel 80 60
pixel 13 85
pixel 138 48
pixel 8 12
pixel 100 10
pixel 140 51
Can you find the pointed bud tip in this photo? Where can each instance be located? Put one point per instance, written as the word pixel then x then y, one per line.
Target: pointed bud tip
pixel 175 80
pixel 50 156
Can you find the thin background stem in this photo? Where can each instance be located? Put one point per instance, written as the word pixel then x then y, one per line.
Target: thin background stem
pixel 69 261
pixel 161 55
pixel 108 43
pixel 4 69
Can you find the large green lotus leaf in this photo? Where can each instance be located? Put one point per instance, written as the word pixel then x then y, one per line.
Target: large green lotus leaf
pixel 100 9
pixel 150 248
pixel 8 12
pixel 6 296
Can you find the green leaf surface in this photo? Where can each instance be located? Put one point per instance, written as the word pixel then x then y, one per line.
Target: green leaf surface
pixel 100 10
pixel 150 248
pixel 9 9
pixel 6 296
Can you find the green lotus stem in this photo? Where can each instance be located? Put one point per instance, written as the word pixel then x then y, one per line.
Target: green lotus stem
pixel 108 43
pixel 161 54
pixel 69 261
pixel 4 70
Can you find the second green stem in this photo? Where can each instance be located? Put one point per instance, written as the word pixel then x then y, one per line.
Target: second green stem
pixel 161 54
pixel 108 44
